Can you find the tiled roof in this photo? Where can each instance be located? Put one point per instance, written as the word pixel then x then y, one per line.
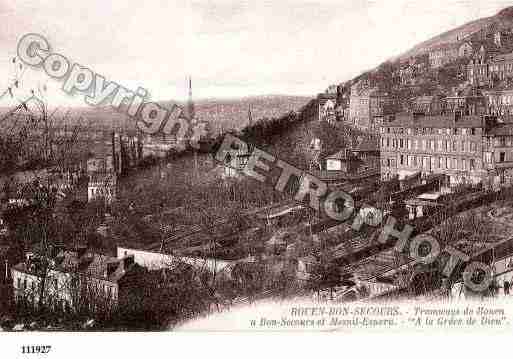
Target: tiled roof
pixel 89 264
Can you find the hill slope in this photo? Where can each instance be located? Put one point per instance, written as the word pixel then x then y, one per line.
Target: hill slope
pixel 503 19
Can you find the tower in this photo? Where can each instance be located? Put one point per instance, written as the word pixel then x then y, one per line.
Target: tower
pixel 190 104
pixel 250 116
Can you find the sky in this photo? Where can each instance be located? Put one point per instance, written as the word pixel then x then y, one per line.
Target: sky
pixel 229 48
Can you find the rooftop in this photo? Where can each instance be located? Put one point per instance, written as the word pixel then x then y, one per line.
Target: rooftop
pixel 89 264
pixel 435 121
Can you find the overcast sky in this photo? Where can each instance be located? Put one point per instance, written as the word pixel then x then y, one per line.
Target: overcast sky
pixel 230 48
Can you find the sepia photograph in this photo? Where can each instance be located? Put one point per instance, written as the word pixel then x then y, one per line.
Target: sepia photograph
pixel 203 166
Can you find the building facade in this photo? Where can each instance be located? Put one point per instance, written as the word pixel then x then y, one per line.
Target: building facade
pixel 500 101
pixel 443 54
pixel 502 67
pixel 368 107
pixel 469 149
pixel 73 280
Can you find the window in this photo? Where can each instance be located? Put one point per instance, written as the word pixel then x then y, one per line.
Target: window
pixel 440 145
pixel 24 283
pixel 409 144
pixel 454 146
pixel 401 160
pixel 423 144
pixel 488 157
pixel 425 163
pixel 432 145
pixel 401 143
pixel 502 156
pixel 472 131
pixel 473 147
pixel 472 164
pixel 18 283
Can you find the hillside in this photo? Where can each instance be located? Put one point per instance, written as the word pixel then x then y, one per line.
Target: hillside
pixel 503 19
pixel 223 114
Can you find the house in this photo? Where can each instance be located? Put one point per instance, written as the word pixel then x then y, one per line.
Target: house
pixel 502 67
pixel 74 279
pixel 500 99
pixel 427 105
pixel 475 148
pixel 102 180
pixel 467 101
pixel 343 161
pixel 368 107
pixel 233 167
pixel 466 49
pixel 326 104
pixel 422 205
pixel 443 54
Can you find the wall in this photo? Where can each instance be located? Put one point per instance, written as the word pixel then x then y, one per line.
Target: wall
pixel 155 260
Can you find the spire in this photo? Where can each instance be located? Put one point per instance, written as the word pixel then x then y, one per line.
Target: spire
pixel 250 116
pixel 190 103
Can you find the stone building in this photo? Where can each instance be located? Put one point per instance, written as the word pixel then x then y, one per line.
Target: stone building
pixel 499 100
pixel 469 149
pixel 467 101
pixel 502 67
pixel 321 108
pixel 74 279
pixel 443 54
pixel 427 105
pixel 326 103
pixel 368 107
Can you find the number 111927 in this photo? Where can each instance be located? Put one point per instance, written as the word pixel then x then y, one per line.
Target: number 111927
pixel 36 349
